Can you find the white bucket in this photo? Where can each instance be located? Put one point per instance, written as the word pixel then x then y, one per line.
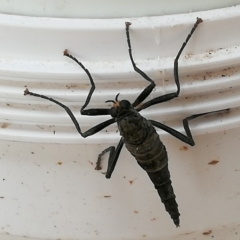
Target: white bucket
pixel 49 188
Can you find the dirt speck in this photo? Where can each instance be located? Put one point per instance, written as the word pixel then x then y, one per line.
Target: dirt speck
pixel 135 211
pixel 90 162
pixel 59 163
pixel 187 233
pixel 71 86
pixel 107 196
pixel 207 232
pixel 213 162
pixel 5 125
pixel 184 148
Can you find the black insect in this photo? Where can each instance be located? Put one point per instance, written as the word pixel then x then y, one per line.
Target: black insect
pixel 138 134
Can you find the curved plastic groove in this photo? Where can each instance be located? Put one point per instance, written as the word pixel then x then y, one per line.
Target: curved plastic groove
pixel 209 124
pixel 44 39
pixel 208 68
pixel 76 92
pixel 104 8
pixel 226 98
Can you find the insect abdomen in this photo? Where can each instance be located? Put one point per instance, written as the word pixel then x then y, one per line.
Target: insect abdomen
pixel 152 156
pixel 163 184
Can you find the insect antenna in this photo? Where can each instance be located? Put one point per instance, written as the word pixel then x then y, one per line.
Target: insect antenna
pixel 112 101
pixel 116 98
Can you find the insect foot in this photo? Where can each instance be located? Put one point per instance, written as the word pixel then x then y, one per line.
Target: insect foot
pixel 65 52
pixel 199 20
pixel 26 92
pixel 128 24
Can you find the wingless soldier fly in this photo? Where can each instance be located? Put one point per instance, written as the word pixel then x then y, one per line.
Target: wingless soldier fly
pixel 137 133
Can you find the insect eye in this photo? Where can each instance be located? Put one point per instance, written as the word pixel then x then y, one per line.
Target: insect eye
pixel 125 104
pixel 113 112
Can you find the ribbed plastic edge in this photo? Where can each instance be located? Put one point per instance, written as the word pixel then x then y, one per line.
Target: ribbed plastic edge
pixel 31 56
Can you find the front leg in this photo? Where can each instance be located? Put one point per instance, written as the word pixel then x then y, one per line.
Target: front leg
pixel 145 93
pixel 92 111
pixel 170 96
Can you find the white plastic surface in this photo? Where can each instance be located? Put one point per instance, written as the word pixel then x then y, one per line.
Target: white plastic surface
pixel 52 191
pixel 108 8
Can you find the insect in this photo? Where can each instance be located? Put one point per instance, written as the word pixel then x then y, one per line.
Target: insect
pixel 137 133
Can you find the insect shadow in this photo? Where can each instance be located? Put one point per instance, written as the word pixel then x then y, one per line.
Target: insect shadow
pixel 137 133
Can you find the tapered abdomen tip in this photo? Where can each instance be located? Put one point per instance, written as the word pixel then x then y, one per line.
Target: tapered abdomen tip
pixel 176 222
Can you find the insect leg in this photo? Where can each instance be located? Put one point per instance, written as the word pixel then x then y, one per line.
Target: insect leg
pixel 145 93
pixel 112 160
pixel 110 149
pixel 92 111
pixel 89 132
pixel 185 138
pixel 170 96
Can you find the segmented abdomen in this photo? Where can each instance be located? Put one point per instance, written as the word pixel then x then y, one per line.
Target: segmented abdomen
pixel 152 156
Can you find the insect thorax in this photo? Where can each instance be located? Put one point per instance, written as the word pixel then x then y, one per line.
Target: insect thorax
pixel 132 127
pixel 142 141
